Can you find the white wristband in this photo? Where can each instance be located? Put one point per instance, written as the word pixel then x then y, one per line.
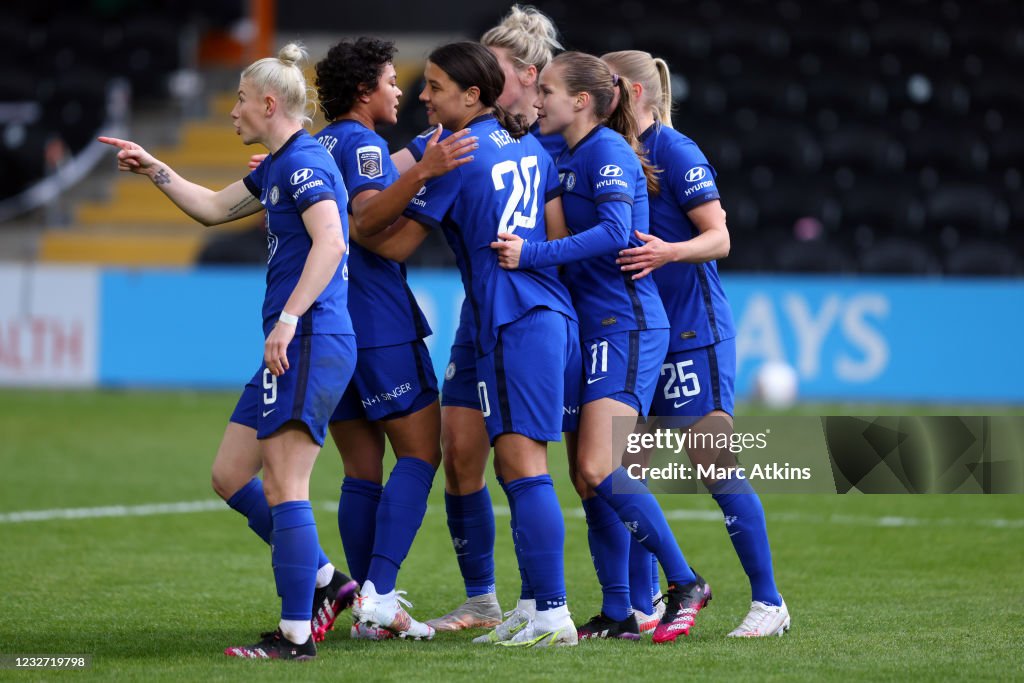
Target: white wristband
pixel 289 319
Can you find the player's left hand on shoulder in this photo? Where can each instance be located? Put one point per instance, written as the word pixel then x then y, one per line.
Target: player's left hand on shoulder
pixel 509 248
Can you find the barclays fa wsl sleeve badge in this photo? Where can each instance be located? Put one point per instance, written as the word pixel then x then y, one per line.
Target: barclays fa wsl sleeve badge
pixel 370 161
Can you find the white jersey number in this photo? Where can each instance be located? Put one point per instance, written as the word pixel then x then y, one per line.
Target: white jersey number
pixel 270 387
pixel 599 351
pixel 521 207
pixel 688 381
pixel 485 404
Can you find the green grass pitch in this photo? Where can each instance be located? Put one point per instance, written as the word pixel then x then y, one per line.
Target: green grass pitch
pixel 158 597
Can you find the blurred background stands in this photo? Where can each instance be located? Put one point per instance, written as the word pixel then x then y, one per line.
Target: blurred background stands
pixel 849 136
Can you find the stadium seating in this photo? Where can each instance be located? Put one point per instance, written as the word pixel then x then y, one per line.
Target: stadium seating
pixel 888 123
pixel 61 56
pixel 909 112
pixel 982 258
pixel 136 227
pixel 899 256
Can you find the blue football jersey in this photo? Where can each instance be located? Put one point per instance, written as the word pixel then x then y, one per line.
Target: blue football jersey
pixel 466 333
pixel 694 300
pixel 383 309
pixel 287 183
pixel 553 144
pixel 504 189
pixel 605 200
pixel 418 145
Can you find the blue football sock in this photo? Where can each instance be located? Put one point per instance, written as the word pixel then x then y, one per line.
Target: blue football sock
pixel 641 588
pixel 540 531
pixel 609 549
pixel 294 556
pixel 399 516
pixel 357 520
pixel 251 502
pixel 640 512
pixel 471 524
pixel 525 589
pixel 655 579
pixel 744 520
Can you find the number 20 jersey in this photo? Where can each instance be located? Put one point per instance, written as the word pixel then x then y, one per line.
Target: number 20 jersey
pixel 504 189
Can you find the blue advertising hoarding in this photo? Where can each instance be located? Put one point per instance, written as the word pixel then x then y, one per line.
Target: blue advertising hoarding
pixel 856 338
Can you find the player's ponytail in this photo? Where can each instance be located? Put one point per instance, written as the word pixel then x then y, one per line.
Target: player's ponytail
pixel 283 77
pixel 613 101
pixel 664 112
pixel 516 124
pixel 472 65
pixel 622 119
pixel 650 72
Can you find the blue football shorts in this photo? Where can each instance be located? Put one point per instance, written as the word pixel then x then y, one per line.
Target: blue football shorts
pixel 459 388
pixel 530 383
pixel 389 382
pixel 320 367
pixel 692 383
pixel 624 366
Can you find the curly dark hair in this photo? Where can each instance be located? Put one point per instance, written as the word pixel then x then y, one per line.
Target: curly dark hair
pixel 348 70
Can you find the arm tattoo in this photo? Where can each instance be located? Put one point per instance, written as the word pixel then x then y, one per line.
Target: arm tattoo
pixel 241 206
pixel 162 177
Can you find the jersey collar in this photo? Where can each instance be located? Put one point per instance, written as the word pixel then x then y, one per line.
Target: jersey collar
pixel 572 150
pixel 481 118
pixel 651 130
pixel 289 141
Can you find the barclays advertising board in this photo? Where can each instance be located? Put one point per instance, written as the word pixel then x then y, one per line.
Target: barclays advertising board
pixel 898 339
pixel 884 338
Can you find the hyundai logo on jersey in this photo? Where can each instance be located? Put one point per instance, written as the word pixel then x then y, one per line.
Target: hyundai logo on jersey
pixel 610 171
pixel 695 174
pixel 301 176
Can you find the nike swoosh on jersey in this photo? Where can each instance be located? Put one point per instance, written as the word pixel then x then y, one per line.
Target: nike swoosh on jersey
pixel 268 412
pixel 680 405
pixel 596 379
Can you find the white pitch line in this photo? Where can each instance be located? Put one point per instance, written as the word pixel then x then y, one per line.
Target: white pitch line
pixel 503 511
pixel 113 511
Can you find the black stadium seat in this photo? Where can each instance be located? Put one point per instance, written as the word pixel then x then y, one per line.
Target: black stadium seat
pixel 781 145
pixel 863 149
pixel 970 209
pixel 983 258
pixel 947 147
pixel 897 256
pixel 881 208
pixel 812 256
